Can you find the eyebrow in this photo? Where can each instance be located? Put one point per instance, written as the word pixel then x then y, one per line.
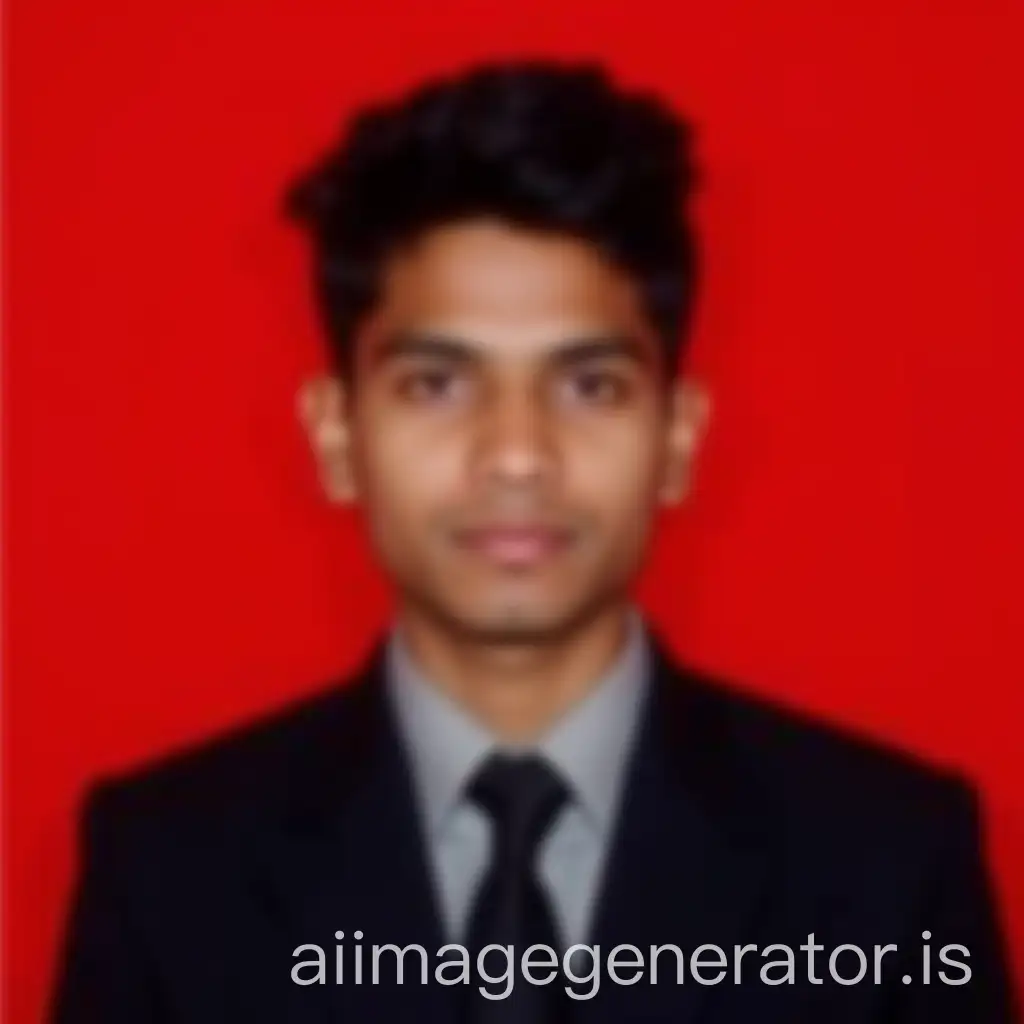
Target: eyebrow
pixel 565 353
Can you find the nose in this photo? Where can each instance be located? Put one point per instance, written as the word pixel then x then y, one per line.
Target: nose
pixel 515 443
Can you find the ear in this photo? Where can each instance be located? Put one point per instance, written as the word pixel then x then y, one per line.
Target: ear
pixel 322 409
pixel 689 412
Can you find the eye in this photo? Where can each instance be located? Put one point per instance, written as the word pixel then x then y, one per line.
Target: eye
pixel 598 386
pixel 431 384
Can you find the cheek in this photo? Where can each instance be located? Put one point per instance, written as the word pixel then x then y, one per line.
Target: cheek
pixel 403 475
pixel 617 470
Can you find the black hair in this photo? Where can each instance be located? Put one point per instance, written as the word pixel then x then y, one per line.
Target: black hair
pixel 540 145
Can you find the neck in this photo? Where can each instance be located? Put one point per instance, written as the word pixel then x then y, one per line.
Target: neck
pixel 516 690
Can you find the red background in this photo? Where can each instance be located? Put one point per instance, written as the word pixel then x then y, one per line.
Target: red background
pixel 854 545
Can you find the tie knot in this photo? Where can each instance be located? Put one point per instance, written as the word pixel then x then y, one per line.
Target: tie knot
pixel 522 794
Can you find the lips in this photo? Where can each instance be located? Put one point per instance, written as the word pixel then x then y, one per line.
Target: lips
pixel 515 545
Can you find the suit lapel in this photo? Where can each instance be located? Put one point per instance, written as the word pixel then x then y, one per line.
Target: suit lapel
pixel 351 857
pixel 686 865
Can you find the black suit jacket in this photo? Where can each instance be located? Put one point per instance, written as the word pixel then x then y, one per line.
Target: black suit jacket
pixel 743 824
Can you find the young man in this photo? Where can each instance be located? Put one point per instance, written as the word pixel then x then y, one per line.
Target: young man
pixel 506 272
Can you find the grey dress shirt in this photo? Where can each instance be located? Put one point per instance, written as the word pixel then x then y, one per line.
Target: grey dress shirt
pixel 589 746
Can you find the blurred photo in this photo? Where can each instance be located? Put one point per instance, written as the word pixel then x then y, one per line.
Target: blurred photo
pixel 524 807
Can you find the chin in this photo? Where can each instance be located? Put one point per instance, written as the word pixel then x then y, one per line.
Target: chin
pixel 516 622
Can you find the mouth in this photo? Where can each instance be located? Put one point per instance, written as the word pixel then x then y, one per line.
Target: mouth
pixel 514 546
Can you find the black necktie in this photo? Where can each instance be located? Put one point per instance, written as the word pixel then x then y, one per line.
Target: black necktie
pixel 522 796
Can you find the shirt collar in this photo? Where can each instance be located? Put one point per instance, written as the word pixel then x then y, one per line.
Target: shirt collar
pixel 589 745
pixel 444 743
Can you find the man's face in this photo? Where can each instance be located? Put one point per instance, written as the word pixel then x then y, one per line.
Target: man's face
pixel 508 429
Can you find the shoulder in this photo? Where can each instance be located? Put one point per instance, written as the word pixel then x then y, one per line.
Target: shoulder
pixel 824 781
pixel 231 781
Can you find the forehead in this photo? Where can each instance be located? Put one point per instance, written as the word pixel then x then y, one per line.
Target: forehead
pixel 507 287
